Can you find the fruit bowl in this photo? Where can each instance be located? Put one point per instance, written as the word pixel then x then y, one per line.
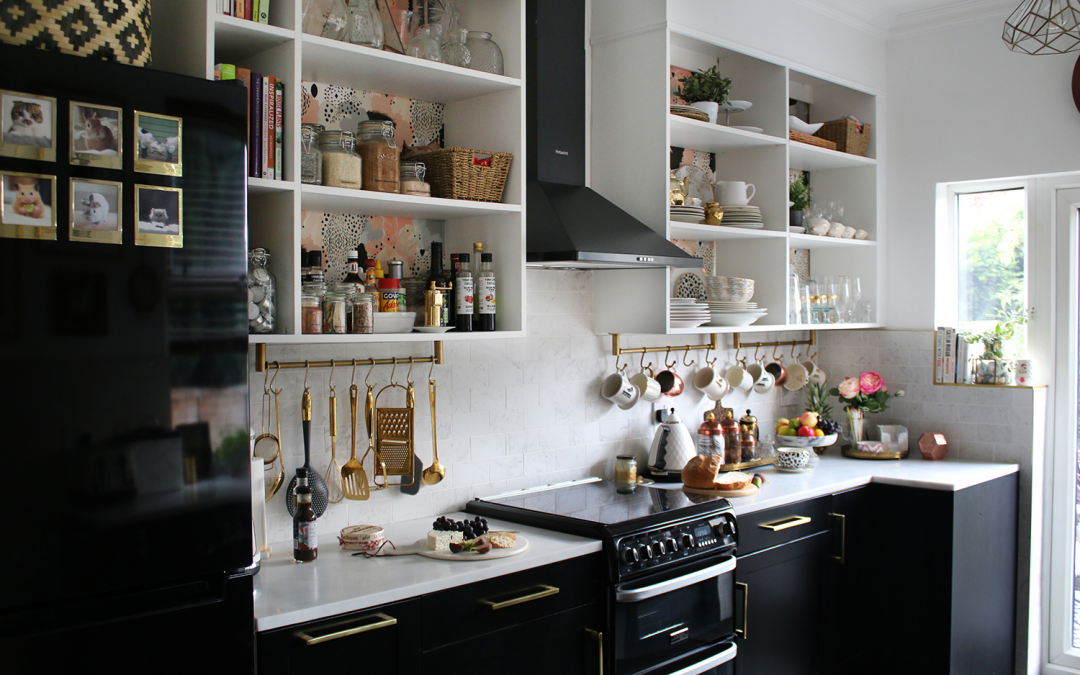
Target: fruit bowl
pixel 805 441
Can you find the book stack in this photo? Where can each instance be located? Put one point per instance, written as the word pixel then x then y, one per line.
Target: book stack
pixel 266 99
pixel 252 10
pixel 952 360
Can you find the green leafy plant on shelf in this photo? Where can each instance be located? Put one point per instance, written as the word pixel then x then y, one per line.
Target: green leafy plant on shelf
pixel 799 193
pixel 993 339
pixel 706 85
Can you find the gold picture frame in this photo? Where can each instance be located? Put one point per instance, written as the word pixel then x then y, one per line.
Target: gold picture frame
pixel 154 223
pixel 28 126
pixel 158 144
pixel 96 135
pixel 24 192
pixel 97 211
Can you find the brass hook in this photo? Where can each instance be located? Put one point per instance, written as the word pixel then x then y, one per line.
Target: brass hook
pixel 641 364
pixel 774 356
pixel 277 369
pixel 393 370
pixel 617 360
pixel 307 366
pixel 793 350
pixel 431 369
pixel 266 381
pixel 366 383
pixel 673 363
pixel 756 348
pixel 333 364
pixel 684 357
pixel 408 377
pixel 738 350
pixel 352 382
pixel 708 350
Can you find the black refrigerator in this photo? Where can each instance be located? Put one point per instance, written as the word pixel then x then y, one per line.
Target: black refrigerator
pixel 123 370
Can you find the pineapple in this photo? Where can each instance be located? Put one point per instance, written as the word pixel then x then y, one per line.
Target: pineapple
pixel 817 400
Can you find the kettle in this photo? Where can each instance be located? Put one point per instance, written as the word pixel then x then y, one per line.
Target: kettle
pixel 672 448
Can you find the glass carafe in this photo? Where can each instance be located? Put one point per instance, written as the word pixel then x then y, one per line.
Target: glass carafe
pixel 487 57
pixel 457 52
pixel 365 24
pixel 425 43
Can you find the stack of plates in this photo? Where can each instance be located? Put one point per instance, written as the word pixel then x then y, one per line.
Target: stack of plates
pixel 717 306
pixel 735 317
pixel 748 217
pixel 687 214
pixel 688 313
pixel 689 111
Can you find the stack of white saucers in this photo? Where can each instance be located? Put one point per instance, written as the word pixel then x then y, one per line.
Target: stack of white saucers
pixel 736 317
pixel 688 313
pixel 687 214
pixel 716 306
pixel 748 217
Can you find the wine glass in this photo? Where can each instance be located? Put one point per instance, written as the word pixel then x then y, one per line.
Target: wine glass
pixel 854 294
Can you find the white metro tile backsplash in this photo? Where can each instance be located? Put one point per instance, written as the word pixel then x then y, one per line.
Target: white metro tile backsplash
pixel 511 413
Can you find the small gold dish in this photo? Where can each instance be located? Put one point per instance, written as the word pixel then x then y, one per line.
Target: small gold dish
pixel 713 214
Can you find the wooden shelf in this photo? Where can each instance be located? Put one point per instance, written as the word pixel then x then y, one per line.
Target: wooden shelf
pixel 350 65
pixel 807 157
pixel 701 232
pixel 813 241
pixel 344 200
pixel 708 137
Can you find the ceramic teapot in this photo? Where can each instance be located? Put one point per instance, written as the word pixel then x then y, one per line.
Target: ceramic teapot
pixel 679 189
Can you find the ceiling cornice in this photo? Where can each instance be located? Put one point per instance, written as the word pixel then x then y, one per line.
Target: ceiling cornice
pixel 950 16
pixel 855 14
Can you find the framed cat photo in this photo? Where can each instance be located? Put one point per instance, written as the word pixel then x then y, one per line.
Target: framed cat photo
pixel 96 135
pixel 159 216
pixel 96 211
pixel 29 126
pixel 159 144
pixel 28 207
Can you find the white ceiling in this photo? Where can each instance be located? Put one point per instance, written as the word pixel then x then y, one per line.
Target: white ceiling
pixel 894 17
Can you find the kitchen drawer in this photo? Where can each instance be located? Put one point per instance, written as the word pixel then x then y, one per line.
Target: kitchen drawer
pixel 464 612
pixel 772 527
pixel 383 639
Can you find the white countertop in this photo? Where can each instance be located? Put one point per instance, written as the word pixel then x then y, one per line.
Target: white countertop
pixel 287 593
pixel 835 473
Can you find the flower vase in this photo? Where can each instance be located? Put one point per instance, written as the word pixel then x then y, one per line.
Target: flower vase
pixel 856 425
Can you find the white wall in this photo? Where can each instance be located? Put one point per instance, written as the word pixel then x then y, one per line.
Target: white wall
pixel 961 106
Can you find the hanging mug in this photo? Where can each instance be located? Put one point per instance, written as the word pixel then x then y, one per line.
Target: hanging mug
pixel 738 378
pixel 670 382
pixel 763 380
pixel 618 389
pixel 711 383
pixel 647 385
pixel 778 371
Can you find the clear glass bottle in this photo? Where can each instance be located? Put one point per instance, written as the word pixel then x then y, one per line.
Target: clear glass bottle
pixel 411 178
pixel 365 24
pixel 456 52
pixel 485 294
pixel 380 156
pixel 262 309
pixel 487 57
pixel 341 165
pixel 310 154
pixel 311 315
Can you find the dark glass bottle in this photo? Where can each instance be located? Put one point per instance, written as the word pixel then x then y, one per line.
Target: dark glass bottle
pixel 441 277
pixel 485 294
pixel 463 289
pixel 305 529
pixel 353 273
pixel 452 298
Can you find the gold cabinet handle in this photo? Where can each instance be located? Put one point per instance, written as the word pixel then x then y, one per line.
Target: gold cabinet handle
pixel 383 621
pixel 599 637
pixel 743 632
pixel 785 523
pixel 548 590
pixel 843 537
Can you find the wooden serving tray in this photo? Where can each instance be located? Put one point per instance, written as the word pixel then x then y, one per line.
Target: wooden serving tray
pixel 745 492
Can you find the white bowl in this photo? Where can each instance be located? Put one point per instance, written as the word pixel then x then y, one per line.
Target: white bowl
pixel 796 124
pixel 394 322
pixel 805 441
pixel 735 319
pixel 792 459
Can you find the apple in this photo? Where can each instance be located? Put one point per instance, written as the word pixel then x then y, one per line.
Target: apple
pixel 790 432
pixel 809 419
pixel 782 422
pixel 806 431
pixel 783 431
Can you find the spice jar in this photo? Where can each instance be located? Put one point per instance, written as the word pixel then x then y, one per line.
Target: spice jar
pixel 261 308
pixel 310 155
pixel 311 315
pixel 363 313
pixel 732 438
pixel 341 165
pixel 334 317
pixel 412 179
pixel 710 439
pixel 388 295
pixel 625 474
pixel 379 154
pixel 347 291
pixel 748 430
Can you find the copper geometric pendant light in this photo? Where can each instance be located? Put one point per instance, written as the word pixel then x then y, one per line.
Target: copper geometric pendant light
pixel 1044 27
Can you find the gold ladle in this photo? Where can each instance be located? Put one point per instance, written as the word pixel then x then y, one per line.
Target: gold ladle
pixel 436 472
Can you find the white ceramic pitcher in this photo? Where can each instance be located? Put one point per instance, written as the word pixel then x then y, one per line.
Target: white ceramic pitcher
pixel 734 192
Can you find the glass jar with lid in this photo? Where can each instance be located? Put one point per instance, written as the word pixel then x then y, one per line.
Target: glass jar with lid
pixel 311 315
pixel 380 155
pixel 334 316
pixel 412 179
pixel 310 155
pixel 341 165
pixel 261 300
pixel 363 313
pixel 348 291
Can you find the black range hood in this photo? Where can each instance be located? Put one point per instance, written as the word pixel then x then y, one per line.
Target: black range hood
pixel 569 225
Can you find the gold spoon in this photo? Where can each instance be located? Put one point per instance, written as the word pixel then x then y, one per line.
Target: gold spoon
pixel 436 472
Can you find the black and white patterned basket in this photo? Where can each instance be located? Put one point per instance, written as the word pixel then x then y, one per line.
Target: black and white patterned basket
pixel 110 30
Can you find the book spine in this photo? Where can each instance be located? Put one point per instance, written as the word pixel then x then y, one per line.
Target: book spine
pixel 244 76
pixel 279 128
pixel 254 16
pixel 227 70
pixel 939 354
pixel 266 127
pixel 255 153
pixel 264 11
pixel 950 356
pixel 961 360
pixel 248 10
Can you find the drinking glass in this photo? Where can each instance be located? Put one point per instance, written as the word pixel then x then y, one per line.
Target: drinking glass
pixel 854 299
pixel 365 24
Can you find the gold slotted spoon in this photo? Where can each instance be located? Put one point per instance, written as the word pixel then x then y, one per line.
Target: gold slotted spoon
pixel 334 493
pixel 353 478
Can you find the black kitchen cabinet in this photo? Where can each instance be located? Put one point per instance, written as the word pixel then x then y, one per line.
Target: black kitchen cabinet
pixel 853 575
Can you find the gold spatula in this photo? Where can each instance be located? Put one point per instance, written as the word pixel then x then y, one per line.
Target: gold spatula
pixel 353 478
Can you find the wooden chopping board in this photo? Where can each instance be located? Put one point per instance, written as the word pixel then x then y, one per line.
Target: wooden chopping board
pixel 745 492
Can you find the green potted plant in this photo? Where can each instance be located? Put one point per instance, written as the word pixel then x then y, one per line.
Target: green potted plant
pixel 992 367
pixel 799 196
pixel 706 90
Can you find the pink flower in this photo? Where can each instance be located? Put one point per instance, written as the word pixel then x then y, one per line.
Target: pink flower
pixel 849 388
pixel 870 383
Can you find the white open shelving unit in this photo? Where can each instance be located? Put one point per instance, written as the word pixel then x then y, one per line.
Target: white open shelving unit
pixel 483 111
pixel 632 133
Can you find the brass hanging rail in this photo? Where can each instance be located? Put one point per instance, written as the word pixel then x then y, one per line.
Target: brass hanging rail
pixel 261 364
pixel 739 344
pixel 616 349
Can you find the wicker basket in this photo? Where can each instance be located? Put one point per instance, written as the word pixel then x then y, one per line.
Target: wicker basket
pixel 847 136
pixel 810 140
pixel 453 174
pixel 111 31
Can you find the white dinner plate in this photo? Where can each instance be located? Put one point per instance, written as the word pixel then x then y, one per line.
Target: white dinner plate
pixel 432 329
pixel 686 219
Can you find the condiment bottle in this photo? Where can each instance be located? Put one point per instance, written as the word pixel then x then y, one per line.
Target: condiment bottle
pixel 477 254
pixel 710 436
pixel 464 293
pixel 352 271
pixel 485 295
pixel 305 529
pixel 380 155
pixel 732 439
pixel 388 295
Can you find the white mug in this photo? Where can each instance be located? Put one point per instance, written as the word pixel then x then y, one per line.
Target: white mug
pixel 738 378
pixel 818 226
pixel 763 379
pixel 647 386
pixel 734 192
pixel 796 377
pixel 849 232
pixel 837 230
pixel 712 383
pixel 618 389
pixel 861 234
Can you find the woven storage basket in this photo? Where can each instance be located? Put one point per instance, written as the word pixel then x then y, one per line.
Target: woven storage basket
pixel 114 30
pixel 846 135
pixel 810 140
pixel 453 175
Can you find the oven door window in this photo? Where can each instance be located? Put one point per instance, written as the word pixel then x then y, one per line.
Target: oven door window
pixel 674 612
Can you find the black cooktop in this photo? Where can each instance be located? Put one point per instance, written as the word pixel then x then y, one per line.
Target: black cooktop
pixel 593 508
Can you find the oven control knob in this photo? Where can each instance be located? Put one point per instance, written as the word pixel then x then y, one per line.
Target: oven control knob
pixel 658 548
pixel 728 527
pixel 687 540
pixel 630 555
pixel 645 552
pixel 670 545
